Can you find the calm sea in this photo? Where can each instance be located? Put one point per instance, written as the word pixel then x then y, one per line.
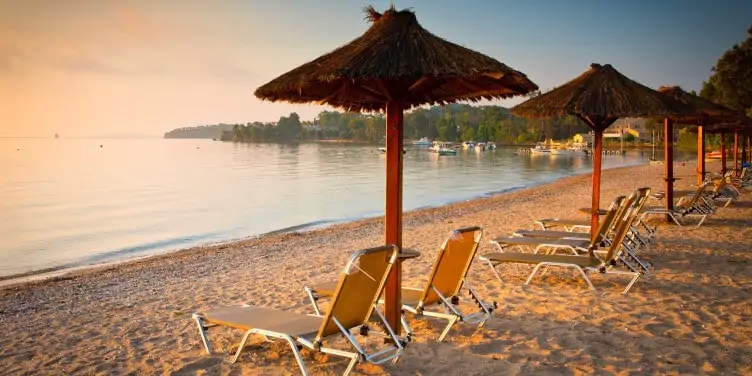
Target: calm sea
pixel 71 202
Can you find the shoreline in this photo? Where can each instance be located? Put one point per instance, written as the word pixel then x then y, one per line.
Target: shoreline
pixel 64 272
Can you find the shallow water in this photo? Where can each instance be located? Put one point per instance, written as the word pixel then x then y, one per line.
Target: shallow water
pixel 70 202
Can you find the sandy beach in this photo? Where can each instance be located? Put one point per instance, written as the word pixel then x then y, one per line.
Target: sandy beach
pixel 693 317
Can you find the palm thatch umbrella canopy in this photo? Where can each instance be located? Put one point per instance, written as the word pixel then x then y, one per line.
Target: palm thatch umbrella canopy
pixel 705 112
pixel 599 97
pixel 396 60
pixel 395 65
pixel 709 117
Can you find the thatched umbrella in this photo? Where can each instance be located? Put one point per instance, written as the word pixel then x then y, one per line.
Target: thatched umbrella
pixel 707 114
pixel 599 97
pixel 395 65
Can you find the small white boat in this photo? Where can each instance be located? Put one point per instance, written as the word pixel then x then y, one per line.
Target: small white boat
pixel 468 144
pixel 540 149
pixel 561 151
pixel 422 142
pixel 443 148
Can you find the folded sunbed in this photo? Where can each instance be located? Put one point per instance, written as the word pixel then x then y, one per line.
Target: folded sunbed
pixel 604 265
pixel 445 281
pixel 353 304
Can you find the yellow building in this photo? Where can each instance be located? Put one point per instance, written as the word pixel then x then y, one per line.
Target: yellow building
pixel 581 138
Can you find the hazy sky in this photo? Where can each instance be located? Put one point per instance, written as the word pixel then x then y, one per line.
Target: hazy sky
pixel 95 67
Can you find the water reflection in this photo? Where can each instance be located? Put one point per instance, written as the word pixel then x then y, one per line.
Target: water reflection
pixel 70 202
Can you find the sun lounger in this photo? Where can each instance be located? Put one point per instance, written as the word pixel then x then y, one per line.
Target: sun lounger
pixel 604 265
pixel 605 226
pixel 574 243
pixel 579 227
pixel 446 280
pixel 691 207
pixel 632 243
pixel 353 304
pixel 723 191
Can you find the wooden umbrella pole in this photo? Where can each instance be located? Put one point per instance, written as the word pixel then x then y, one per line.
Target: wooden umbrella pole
pixel 668 145
pixel 723 154
pixel 393 212
pixel 597 159
pixel 736 153
pixel 701 154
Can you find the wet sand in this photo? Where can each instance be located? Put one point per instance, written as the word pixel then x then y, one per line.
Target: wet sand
pixel 692 317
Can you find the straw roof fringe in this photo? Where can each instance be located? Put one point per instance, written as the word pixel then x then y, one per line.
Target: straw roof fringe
pixel 706 111
pixel 396 59
pixel 599 96
pixel 739 123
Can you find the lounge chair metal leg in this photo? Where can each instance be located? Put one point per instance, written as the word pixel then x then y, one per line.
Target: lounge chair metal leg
pixel 287 338
pixel 675 219
pixel 408 330
pixel 702 219
pixel 631 283
pixel 296 352
pixel 495 272
pixel 240 346
pixel 532 274
pixel 586 278
pixel 582 272
pixel 204 339
pixel 452 321
pixel 351 366
pixel 312 297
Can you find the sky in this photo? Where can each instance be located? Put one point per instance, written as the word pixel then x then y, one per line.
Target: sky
pixel 99 67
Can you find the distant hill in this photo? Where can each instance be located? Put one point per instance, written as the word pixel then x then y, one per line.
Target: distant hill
pixel 201 131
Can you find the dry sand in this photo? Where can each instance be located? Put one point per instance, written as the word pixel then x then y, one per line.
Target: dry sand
pixel 692 317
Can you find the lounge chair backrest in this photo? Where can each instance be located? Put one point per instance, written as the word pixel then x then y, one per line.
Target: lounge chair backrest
pixel 451 264
pixel 358 289
pixel 642 196
pixel 608 221
pixel 698 193
pixel 624 221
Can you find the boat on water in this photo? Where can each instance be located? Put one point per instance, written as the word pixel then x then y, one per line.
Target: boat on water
pixel 468 144
pixel 540 148
pixel 443 148
pixel 422 142
pixel 561 151
pixel 716 154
